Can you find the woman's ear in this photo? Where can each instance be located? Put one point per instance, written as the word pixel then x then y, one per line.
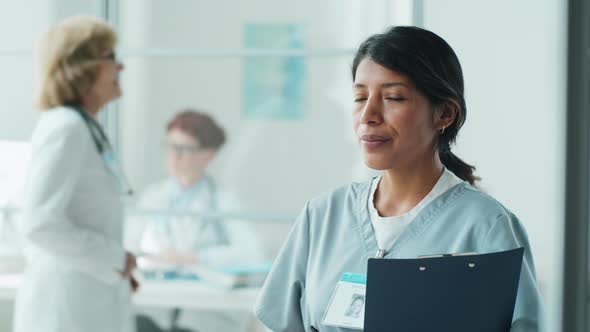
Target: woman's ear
pixel 446 114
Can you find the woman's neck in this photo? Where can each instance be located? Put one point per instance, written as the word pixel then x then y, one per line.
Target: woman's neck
pixel 91 106
pixel 401 189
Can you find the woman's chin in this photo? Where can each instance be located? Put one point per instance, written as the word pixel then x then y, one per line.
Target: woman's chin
pixel 377 164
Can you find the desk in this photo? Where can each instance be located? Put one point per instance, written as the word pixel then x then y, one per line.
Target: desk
pixel 194 295
pixel 170 294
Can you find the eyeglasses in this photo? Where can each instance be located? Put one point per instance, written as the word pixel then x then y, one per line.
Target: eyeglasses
pixel 181 149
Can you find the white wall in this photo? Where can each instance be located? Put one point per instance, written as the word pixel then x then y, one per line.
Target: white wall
pixel 273 166
pixel 514 59
pixel 16 66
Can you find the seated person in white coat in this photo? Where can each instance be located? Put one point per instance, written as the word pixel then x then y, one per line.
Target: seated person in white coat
pixel 192 142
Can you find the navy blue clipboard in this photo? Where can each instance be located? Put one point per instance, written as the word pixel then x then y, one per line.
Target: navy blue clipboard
pixel 456 293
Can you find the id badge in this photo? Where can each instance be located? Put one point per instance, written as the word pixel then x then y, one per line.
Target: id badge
pixel 111 162
pixel 347 305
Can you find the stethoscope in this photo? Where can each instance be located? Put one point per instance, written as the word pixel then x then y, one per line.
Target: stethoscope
pixel 221 237
pixel 104 148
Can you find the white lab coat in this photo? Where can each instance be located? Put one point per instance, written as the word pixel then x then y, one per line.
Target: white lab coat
pixel 72 224
pixel 187 234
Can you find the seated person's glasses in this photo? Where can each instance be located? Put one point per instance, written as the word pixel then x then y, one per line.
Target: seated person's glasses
pixel 181 149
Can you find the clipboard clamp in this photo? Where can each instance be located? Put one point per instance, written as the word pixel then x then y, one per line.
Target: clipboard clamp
pixel 470 253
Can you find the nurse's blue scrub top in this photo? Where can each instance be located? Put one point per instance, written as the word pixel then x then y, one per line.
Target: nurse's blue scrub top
pixel 333 234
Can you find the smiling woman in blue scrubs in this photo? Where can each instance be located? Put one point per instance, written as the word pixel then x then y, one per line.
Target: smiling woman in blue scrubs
pixel 408 107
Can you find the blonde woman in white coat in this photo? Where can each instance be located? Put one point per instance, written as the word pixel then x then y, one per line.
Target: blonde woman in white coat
pixel 78 276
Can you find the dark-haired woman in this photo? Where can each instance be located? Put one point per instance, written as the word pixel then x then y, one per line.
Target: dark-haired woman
pixel 408 108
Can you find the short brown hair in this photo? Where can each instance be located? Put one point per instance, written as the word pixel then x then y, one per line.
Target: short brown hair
pixel 68 54
pixel 200 126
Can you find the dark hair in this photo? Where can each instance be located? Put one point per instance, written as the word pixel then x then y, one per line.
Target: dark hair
pixel 435 70
pixel 200 126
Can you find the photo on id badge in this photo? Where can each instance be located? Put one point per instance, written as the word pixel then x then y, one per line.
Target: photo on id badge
pixel 357 303
pixel 347 305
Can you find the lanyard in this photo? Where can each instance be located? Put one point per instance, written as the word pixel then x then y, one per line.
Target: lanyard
pixel 380 253
pixel 104 148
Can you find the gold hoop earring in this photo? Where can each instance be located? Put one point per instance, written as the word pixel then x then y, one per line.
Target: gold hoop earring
pixel 442 131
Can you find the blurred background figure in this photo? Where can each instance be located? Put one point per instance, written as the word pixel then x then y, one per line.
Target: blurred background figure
pixel 170 242
pixel 192 142
pixel 78 276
